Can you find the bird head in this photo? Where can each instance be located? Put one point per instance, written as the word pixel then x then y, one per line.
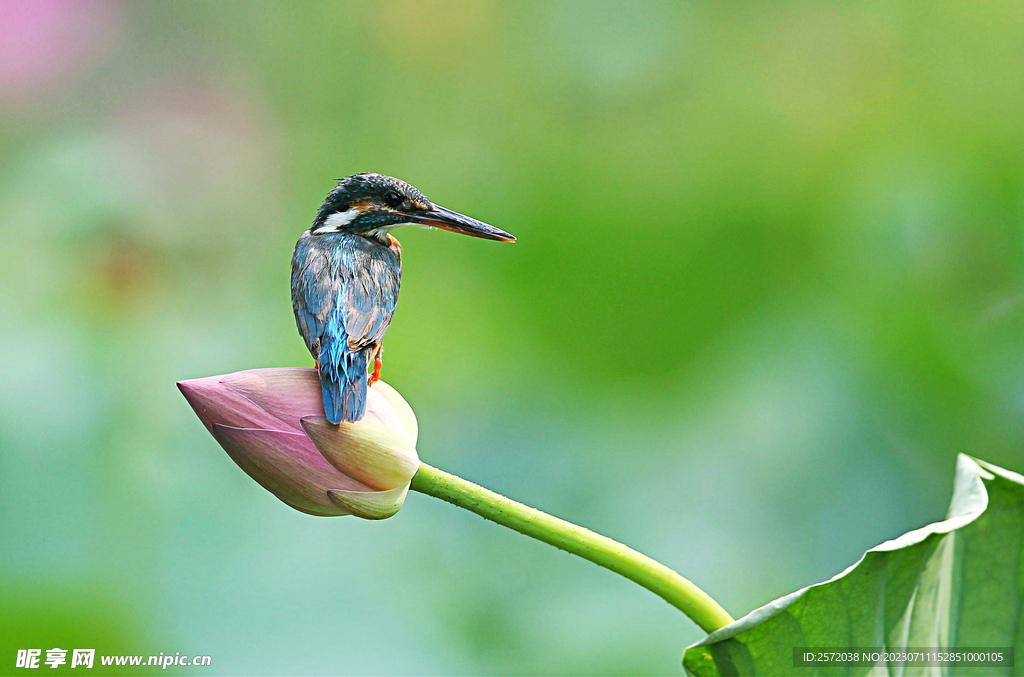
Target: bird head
pixel 372 204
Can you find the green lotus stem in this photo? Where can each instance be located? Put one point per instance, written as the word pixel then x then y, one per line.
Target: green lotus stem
pixel 603 551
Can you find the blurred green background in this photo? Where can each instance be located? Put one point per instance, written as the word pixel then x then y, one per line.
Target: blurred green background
pixel 768 283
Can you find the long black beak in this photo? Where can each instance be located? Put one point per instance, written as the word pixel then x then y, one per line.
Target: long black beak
pixel 440 217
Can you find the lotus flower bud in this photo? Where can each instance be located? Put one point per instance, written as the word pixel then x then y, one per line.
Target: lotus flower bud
pixel 271 422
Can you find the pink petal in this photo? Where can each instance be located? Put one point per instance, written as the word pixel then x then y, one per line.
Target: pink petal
pixel 287 393
pixel 215 404
pixel 287 465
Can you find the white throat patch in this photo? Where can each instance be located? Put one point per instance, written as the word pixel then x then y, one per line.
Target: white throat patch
pixel 338 219
pixel 384 230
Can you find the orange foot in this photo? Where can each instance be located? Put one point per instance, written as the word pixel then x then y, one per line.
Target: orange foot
pixel 316 364
pixel 375 376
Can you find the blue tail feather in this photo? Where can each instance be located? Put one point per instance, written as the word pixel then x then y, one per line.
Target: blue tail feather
pixel 344 387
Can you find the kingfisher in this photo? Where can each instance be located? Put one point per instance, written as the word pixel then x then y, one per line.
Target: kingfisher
pixel 346 272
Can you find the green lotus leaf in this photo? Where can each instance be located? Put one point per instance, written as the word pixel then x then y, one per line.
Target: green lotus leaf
pixel 955 583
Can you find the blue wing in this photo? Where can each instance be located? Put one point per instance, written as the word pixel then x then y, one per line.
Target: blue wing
pixel 344 292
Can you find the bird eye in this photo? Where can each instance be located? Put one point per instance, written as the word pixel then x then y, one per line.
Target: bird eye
pixel 393 199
